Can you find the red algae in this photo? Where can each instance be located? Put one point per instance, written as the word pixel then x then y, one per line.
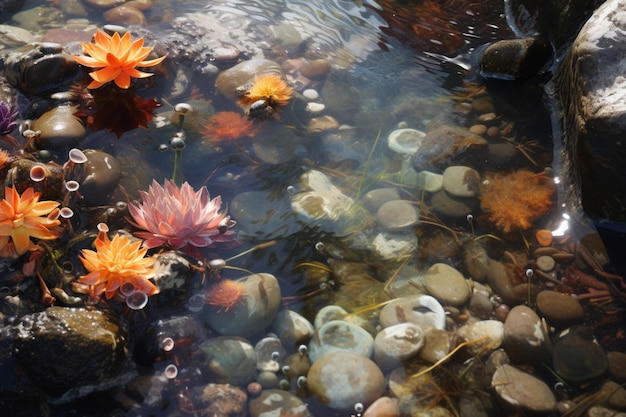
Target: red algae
pixel 225 294
pixel 227 126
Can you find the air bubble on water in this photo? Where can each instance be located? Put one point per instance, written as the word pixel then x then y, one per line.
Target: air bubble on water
pixel 529 273
pixel 167 344
pixel 137 300
pixel 171 371
pixel 319 246
pixel 127 289
pixel 195 303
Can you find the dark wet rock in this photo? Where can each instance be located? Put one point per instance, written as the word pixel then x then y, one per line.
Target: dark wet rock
pixel 520 390
pixel 273 401
pixel 98 177
pixel 452 207
pixel 556 20
pixel 172 272
pixel 515 59
pixel 229 80
pixel 448 145
pixel 577 358
pixel 525 339
pixel 255 311
pixel 559 309
pixel 222 400
pixel 125 15
pixel 51 187
pixel 593 100
pixel 230 360
pixel 475 260
pixel 59 128
pixel 617 365
pixel 342 379
pixel 39 68
pixel 500 278
pixel 152 345
pixel 65 348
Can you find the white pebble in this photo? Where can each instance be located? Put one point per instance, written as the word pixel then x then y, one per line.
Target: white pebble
pixel 310 94
pixel 315 107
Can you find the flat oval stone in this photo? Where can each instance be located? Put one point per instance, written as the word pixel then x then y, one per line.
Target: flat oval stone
pixel 559 309
pixel 461 181
pixel 99 176
pixel 446 284
pixel 453 207
pixel 374 199
pixel 396 343
pixel 272 401
pixel 525 339
pixel 422 310
pixel 229 80
pixel 573 344
pixel 59 128
pixel 521 390
pixel 342 379
pixel 397 215
pixel 256 311
pixel 230 360
pixel 338 335
pixel 429 181
pixel 383 407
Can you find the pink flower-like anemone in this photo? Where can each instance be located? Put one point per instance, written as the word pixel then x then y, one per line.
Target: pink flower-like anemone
pixel 178 217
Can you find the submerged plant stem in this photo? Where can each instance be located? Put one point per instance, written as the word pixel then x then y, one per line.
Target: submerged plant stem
pixel 449 355
pixel 367 166
pixel 176 168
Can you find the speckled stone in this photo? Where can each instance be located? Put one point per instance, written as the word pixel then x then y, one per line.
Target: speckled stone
pixel 525 339
pixel 272 401
pixel 446 284
pixel 437 345
pixel 422 310
pixel 521 390
pixel 461 181
pixel 338 335
pixel 559 309
pixel 396 343
pixel 342 379
pixel 570 346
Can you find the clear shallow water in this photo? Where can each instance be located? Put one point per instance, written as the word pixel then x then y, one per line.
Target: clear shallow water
pixel 409 63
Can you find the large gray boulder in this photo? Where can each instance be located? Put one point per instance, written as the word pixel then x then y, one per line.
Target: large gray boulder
pixel 590 88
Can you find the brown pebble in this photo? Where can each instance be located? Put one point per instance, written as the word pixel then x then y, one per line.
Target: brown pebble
pixel 315 69
pixel 563 257
pixel 254 389
pixel 125 15
pixel 617 366
pixel 545 263
pixel 544 251
pixel 102 3
pixel 493 132
pixel 501 312
pixel 487 117
pixel 478 129
pixel 140 4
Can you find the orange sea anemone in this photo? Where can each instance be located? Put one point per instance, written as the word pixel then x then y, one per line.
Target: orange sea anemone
pixel 270 88
pixel 513 201
pixel 115 263
pixel 23 217
pixel 229 125
pixel 225 294
pixel 117 57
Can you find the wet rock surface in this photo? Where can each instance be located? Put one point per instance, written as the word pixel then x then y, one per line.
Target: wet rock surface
pixel 521 390
pixel 43 343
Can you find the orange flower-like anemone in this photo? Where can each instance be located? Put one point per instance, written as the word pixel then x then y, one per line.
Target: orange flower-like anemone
pixel 23 217
pixel 118 59
pixel 117 262
pixel 270 89
pixel 225 294
pixel 227 126
pixel 513 201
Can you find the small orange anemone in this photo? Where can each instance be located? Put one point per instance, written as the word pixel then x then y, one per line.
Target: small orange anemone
pixel 225 294
pixel 115 263
pixel 23 217
pixel 117 57
pixel 228 125
pixel 513 201
pixel 270 88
